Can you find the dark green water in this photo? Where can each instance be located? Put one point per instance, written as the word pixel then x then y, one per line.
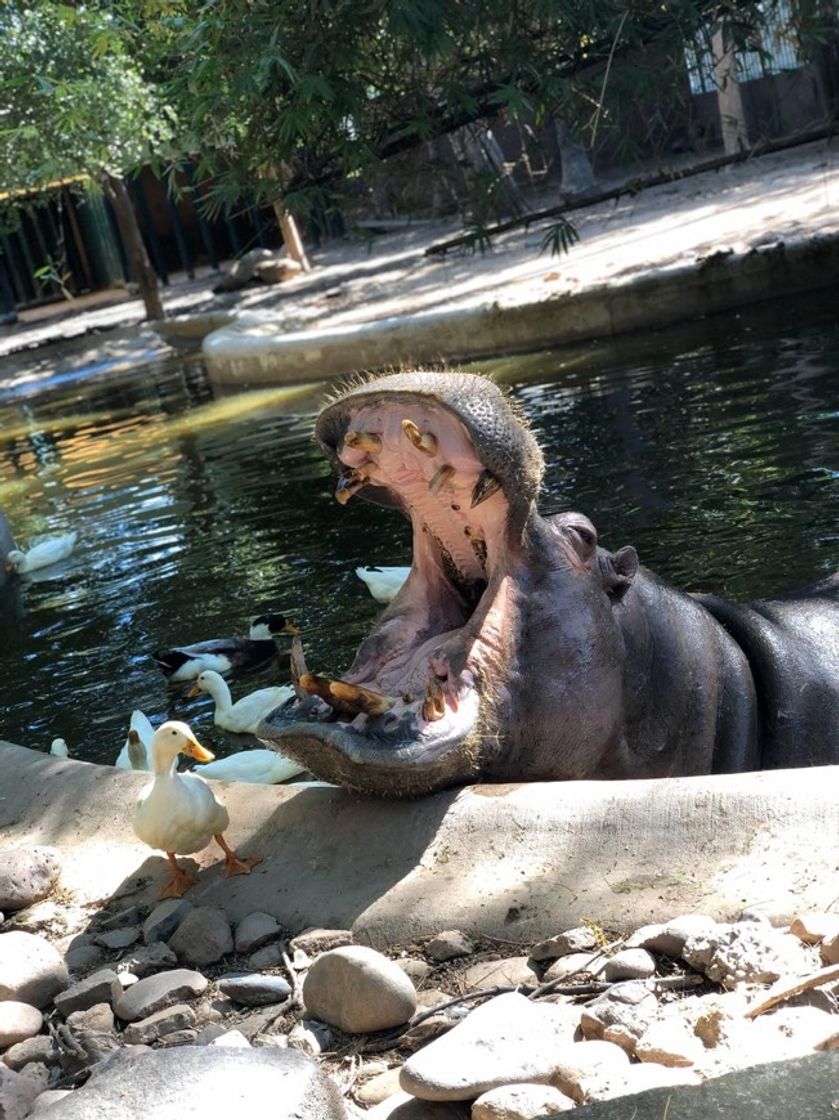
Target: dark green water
pixel 713 448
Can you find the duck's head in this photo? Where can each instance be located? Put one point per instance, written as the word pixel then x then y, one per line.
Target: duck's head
pixel 173 738
pixel 13 559
pixel 268 625
pixel 208 681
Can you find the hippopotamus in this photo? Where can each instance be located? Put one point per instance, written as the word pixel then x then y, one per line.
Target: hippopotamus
pixel 520 650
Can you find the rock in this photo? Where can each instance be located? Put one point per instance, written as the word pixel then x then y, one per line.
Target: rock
pixel 269 956
pixel 490 974
pixel 778 1091
pixel 100 987
pixel 117 1057
pixel 669 938
pixel 31 970
pixel 649 1075
pixel 202 1082
pixel 118 938
pixel 165 919
pixel 402 1106
pixel 508 1039
pixel 133 916
pixel 38 1073
pixel 147 959
pixel 590 1070
pixel 422 1033
pixel 203 937
pixel 18 1021
pixel 620 1015
pixel 747 952
pixel 160 1024
pixel 48 1097
pixel 243 270
pixel 520 1102
pixel 277 270
pixel 669 1042
pixel 100 1017
pixel 311 1037
pixel 448 945
pixel 574 964
pixel 26 876
pixel 209 1033
pixel 431 997
pixel 255 990
pixel 158 991
pixel 358 990
pixel 414 967
pixel 38 1048
pixel 314 941
pixel 578 940
pixel 232 1038
pixel 379 1088
pixel 256 930
pixel 16 1094
pixel 83 956
pixel 628 964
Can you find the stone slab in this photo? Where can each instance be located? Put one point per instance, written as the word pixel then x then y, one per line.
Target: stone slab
pixel 517 862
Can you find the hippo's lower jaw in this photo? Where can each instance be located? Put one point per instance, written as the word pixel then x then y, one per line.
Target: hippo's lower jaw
pixel 407 718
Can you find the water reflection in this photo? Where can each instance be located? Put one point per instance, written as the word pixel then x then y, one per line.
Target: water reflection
pixel 713 449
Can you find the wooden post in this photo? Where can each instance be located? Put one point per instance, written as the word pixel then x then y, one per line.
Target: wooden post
pixel 291 236
pixel 735 137
pixel 117 194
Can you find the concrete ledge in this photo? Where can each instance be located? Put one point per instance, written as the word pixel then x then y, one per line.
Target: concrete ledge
pixel 253 350
pixel 517 862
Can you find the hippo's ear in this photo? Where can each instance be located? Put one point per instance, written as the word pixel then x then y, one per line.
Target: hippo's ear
pixel 618 570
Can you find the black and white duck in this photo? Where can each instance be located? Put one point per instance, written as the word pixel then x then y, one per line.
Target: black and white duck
pixel 223 655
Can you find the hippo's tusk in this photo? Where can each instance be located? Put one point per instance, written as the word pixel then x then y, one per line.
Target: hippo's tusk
pixel 434 704
pixel 350 484
pixel 347 699
pixel 364 441
pixel 422 441
pixel 440 477
pixel 484 488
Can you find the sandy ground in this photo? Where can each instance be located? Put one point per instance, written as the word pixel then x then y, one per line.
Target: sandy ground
pixel 741 209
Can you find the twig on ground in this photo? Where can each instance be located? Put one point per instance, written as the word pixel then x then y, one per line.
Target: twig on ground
pixel 785 989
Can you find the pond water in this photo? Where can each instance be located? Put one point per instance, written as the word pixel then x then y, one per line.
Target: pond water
pixel 713 448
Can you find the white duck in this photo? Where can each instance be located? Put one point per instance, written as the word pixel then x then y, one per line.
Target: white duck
pixel 383 583
pixel 245 714
pixel 59 748
pixel 136 753
pixel 258 766
pixel 42 552
pixel 179 813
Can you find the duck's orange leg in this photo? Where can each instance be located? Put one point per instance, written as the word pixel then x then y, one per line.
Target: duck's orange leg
pixel 232 864
pixel 179 883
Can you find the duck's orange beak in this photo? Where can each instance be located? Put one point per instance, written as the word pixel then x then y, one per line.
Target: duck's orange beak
pixel 196 751
pixel 194 691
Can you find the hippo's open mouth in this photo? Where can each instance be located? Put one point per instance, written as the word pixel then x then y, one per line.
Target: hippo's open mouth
pixel 449 452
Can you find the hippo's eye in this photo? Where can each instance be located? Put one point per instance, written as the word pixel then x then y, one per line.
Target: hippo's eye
pixel 585 535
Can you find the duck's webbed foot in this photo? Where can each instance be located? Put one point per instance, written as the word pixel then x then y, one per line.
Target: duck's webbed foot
pixel 180 882
pixel 233 865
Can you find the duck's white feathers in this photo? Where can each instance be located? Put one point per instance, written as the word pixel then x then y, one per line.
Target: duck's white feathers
pixel 383 583
pixel 258 766
pixel 245 715
pixel 179 813
pixel 42 552
pixel 141 724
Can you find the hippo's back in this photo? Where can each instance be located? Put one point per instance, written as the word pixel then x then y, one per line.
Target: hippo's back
pixel 792 645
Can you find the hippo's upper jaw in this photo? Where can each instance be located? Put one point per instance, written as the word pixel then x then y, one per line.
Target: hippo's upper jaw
pixel 410 715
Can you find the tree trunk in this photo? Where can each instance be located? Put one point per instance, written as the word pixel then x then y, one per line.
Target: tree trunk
pixel 577 172
pixel 291 237
pixel 117 194
pixel 735 136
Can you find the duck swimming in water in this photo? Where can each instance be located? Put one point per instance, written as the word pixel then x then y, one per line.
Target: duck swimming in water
pixel 245 714
pixel 223 655
pixel 180 813
pixel 42 552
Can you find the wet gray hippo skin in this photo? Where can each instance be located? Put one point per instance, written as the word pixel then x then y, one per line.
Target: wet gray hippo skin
pixel 7 544
pixel 518 650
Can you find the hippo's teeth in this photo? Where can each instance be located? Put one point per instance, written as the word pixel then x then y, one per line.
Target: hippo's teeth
pixel 422 441
pixel 298 666
pixel 351 483
pixel 434 704
pixel 347 699
pixel 364 441
pixel 484 488
pixel 440 477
